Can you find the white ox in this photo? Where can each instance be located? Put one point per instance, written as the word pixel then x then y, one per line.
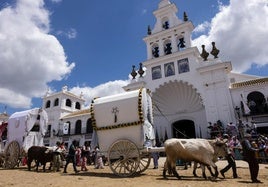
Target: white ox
pixel 202 151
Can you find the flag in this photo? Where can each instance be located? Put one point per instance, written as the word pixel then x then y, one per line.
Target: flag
pixel 65 128
pixel 245 106
pixel 247 110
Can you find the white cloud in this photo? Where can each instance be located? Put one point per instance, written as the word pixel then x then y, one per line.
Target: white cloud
pixel 108 88
pixel 70 34
pixel 6 95
pixel 202 27
pixel 29 56
pixel 240 33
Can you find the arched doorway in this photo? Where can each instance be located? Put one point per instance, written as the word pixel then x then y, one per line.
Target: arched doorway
pixel 257 103
pixel 183 129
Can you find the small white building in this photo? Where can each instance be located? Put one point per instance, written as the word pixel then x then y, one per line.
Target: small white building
pixel 65 108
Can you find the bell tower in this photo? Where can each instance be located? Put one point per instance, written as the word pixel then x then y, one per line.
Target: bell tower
pixel 189 88
pixel 170 34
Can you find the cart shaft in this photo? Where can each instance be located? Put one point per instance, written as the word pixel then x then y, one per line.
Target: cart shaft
pixel 153 149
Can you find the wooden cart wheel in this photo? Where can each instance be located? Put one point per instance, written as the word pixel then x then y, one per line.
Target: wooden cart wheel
pixel 123 158
pixel 12 154
pixel 145 160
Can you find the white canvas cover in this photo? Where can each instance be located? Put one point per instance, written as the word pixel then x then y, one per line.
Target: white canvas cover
pixel 123 116
pixel 21 123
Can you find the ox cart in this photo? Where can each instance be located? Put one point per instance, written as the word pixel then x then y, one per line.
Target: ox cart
pixel 24 129
pixel 124 132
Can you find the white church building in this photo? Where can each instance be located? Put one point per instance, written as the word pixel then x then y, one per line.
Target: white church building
pixel 189 88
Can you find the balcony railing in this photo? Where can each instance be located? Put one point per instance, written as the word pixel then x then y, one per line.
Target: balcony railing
pixel 72 132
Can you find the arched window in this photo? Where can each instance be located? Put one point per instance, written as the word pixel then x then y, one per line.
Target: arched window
pixel 56 102
pixel 48 104
pixel 165 23
pixel 167 47
pixel 78 128
pixel 181 42
pixel 257 103
pixel 77 105
pixel 68 103
pixel 155 50
pixel 89 126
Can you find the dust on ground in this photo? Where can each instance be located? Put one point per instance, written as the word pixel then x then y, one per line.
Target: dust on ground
pixel 150 177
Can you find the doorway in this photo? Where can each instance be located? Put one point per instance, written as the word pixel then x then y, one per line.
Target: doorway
pixel 184 129
pixel 257 103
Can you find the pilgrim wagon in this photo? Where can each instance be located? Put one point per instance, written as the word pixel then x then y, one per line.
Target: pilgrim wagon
pixel 123 130
pixel 24 129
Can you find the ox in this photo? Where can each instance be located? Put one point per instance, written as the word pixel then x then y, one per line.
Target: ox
pixel 41 155
pixel 203 151
pixel 202 166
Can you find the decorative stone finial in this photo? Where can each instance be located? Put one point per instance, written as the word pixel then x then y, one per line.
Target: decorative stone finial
pixel 204 53
pixel 214 50
pixel 81 95
pixel 149 32
pixel 163 3
pixel 133 73
pixel 185 17
pixel 64 88
pixel 141 71
pixel 48 92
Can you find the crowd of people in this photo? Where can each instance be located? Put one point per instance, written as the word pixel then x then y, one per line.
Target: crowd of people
pixel 236 132
pixel 79 156
pixel 250 153
pixel 243 143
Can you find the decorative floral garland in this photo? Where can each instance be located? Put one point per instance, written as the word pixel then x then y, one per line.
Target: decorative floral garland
pixel 140 113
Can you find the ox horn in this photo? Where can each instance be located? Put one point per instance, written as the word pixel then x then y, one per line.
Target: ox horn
pixel 220 142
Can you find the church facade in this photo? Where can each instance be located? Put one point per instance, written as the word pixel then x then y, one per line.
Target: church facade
pixel 189 88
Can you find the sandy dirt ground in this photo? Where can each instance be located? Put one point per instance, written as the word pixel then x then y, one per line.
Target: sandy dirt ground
pixel 105 178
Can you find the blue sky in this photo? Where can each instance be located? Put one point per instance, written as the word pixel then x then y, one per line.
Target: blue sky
pixel 91 45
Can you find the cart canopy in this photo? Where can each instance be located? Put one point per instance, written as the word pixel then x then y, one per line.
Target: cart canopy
pixel 21 123
pixel 123 116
